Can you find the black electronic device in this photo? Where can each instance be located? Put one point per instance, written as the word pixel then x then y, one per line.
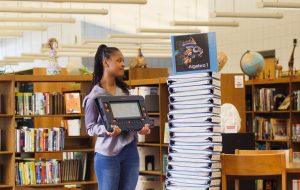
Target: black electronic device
pixel 126 112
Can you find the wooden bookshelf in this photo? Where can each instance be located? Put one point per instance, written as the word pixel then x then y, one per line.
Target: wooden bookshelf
pixel 161 83
pixel 42 83
pixel 83 143
pixel 282 85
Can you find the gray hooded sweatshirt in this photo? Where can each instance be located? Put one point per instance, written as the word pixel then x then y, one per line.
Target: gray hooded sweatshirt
pixel 105 145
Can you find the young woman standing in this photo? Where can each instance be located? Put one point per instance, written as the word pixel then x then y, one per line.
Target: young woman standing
pixel 116 157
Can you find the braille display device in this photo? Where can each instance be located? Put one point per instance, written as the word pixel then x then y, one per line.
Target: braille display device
pixel 126 112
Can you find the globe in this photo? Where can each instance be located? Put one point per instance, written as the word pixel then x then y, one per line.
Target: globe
pixel 252 63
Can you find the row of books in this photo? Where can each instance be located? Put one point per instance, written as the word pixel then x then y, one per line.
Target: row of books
pixel 296 131
pixel 48 103
pixel 271 128
pixel 71 168
pixel 296 100
pixel 39 139
pixel 268 99
pixel 39 172
pixel 295 184
pixel 194 132
pixel 266 184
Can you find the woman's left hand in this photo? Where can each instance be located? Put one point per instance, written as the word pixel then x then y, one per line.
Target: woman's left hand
pixel 145 130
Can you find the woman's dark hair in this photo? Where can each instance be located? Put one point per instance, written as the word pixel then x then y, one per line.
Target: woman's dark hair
pixel 104 52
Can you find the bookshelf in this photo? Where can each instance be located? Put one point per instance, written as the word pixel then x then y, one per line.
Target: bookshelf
pixel 8 154
pixel 287 87
pixel 63 83
pixel 161 83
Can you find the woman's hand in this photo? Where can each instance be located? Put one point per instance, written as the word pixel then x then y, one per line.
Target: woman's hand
pixel 145 130
pixel 116 131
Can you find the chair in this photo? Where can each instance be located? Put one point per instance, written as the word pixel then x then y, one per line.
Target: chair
pixel 288 153
pixel 254 165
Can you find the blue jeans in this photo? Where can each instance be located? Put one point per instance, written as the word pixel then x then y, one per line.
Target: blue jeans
pixel 118 172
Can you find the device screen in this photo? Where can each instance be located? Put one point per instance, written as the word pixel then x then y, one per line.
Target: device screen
pixel 125 110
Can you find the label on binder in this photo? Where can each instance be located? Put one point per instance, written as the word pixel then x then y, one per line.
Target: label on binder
pixel 216 92
pixel 217 139
pixel 215 119
pixel 215 157
pixel 215 174
pixel 218 148
pixel 217 129
pixel 216 165
pixel 215 182
pixel 216 110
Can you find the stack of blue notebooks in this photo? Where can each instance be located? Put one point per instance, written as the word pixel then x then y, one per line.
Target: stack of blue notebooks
pixel 195 138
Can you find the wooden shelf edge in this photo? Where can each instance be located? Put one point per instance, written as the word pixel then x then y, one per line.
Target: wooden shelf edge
pixel 165 145
pixel 263 140
pixel 137 82
pixel 53 78
pixel 61 151
pixel 150 172
pixel 5 186
pixel 63 115
pixel 7 77
pixel 268 81
pixel 6 152
pixel 271 112
pixel 61 184
pixel 6 115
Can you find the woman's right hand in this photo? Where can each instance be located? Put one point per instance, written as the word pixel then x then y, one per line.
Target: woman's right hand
pixel 116 131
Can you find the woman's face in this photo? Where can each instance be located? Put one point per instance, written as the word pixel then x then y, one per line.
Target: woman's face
pixel 115 64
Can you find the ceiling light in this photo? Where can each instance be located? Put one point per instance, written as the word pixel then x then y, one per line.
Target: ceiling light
pixel 247 15
pixel 125 41
pixel 53 10
pixel 37 28
pixel 37 19
pixel 19 59
pixel 63 54
pixel 5 63
pixel 93 1
pixel 153 55
pixel 79 46
pixel 289 5
pixel 146 36
pixel 205 23
pixel 10 34
pixel 168 30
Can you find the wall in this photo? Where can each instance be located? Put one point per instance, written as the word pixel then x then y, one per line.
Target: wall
pixel 257 34
pixel 121 18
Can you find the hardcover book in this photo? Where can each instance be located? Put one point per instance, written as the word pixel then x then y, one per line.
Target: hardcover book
pixel 194 53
